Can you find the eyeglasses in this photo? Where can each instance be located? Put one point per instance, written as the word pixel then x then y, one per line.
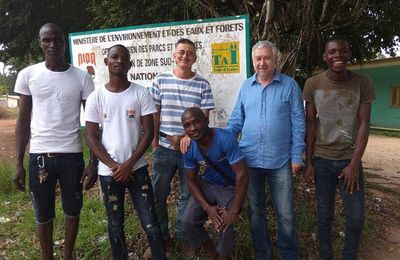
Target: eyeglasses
pixel 181 53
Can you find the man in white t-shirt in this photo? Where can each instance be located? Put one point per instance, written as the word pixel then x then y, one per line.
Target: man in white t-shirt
pixel 51 93
pixel 125 111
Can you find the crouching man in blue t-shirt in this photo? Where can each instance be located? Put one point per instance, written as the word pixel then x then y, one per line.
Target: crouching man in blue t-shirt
pixel 219 193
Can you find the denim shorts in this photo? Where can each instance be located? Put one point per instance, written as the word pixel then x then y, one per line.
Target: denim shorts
pixel 65 168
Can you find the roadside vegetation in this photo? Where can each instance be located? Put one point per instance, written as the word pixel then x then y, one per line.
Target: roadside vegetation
pixel 18 239
pixel 8 113
pixel 391 133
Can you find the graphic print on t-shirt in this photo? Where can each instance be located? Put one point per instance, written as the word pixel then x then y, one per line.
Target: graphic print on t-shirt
pixel 337 109
pixel 130 113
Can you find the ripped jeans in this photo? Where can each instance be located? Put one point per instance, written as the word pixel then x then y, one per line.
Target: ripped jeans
pixel 142 197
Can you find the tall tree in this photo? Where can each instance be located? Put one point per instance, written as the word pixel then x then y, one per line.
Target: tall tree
pixel 300 27
pixel 6 84
pixel 20 21
pixel 117 13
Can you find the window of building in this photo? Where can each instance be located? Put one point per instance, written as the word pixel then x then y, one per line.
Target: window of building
pixel 395 100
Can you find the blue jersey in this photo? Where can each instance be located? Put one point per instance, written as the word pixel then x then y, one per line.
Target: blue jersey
pixel 223 152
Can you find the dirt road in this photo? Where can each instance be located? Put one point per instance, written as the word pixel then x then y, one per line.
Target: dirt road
pixel 382 171
pixel 382 158
pixel 7 139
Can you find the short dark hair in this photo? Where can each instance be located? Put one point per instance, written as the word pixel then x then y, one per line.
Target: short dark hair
pixel 119 46
pixel 185 41
pixel 336 38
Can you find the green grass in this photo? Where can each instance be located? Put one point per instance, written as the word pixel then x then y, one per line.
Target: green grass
pixel 19 240
pixel 85 150
pixel 23 228
pixel 370 228
pixel 6 173
pixel 8 113
pixel 19 230
pixel 390 133
pixel 13 112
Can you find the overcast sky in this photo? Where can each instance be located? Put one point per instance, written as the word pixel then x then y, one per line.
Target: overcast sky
pixel 2 67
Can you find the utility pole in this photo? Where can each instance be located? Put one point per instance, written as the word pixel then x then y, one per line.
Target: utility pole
pixel 4 81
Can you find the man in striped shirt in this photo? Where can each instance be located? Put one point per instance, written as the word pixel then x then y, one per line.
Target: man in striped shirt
pixel 172 93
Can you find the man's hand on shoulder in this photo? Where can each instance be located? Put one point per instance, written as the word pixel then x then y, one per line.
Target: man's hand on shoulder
pixel 89 176
pixel 19 178
pixel 184 144
pixel 175 140
pixel 350 177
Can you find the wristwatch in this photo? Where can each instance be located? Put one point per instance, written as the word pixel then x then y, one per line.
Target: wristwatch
pixel 95 162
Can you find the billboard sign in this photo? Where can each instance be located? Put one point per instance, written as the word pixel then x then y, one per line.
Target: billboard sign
pixel 222 46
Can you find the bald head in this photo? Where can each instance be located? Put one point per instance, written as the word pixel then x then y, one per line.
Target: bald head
pixel 51 26
pixel 194 112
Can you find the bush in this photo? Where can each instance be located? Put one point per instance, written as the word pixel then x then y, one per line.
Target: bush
pixel 4 113
pixel 8 113
pixel 6 175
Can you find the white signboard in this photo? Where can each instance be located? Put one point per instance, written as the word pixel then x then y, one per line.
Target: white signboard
pixel 221 46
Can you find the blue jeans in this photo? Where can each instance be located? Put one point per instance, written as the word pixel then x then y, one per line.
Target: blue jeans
pixel 67 169
pixel 326 177
pixel 165 163
pixel 280 185
pixel 142 197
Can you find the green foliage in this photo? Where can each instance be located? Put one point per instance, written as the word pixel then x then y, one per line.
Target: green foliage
pixel 299 28
pixel 3 90
pixel 20 21
pixel 85 150
pixel 243 246
pixel 391 133
pixel 92 241
pixel 6 112
pixel 7 83
pixel 6 174
pixel 16 210
pixel 110 13
pixel 19 233
pixel 306 219
pixel 92 238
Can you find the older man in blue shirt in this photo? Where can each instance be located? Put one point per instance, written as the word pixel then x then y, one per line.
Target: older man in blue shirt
pixel 269 115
